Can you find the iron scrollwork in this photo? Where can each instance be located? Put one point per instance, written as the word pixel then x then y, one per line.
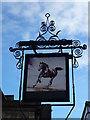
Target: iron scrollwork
pixel 18 55
pixel 78 51
pixel 48 27
pixel 76 43
pixel 53 42
pixel 75 64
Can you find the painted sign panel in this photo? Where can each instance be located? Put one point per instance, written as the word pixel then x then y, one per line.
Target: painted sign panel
pixel 46 77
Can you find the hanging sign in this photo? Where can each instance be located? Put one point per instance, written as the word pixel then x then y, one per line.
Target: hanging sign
pixel 46 77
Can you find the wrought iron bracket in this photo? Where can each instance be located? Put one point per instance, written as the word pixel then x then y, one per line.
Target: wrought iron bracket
pixel 52 42
pixel 61 45
pixel 18 54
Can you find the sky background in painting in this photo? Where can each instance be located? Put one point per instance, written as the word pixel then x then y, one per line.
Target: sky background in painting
pixel 22 20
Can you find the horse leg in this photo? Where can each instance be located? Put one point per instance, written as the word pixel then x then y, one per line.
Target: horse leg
pixel 35 84
pixel 39 80
pixel 50 83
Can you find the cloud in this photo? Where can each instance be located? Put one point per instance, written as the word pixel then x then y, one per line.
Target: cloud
pixel 69 17
pixel 22 11
pixel 26 36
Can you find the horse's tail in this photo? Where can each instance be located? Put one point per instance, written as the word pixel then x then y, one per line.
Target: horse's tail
pixel 59 68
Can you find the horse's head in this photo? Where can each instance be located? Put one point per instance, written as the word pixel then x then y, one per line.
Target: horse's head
pixel 42 66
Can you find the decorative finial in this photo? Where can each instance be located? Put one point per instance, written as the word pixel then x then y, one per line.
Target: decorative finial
pixel 47 15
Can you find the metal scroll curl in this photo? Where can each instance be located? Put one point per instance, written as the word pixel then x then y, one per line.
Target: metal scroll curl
pixel 77 54
pixel 53 38
pixel 18 55
pixel 50 28
pixel 41 38
pixel 76 43
pixel 75 64
pixel 78 51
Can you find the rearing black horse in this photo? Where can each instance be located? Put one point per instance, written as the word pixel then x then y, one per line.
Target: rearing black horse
pixel 46 72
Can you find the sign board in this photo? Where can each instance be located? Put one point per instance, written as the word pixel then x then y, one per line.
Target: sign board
pixel 46 78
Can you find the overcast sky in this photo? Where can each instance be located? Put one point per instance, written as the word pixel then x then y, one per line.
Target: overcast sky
pixel 22 20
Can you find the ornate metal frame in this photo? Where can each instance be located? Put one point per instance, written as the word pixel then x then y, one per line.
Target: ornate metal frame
pixel 53 42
